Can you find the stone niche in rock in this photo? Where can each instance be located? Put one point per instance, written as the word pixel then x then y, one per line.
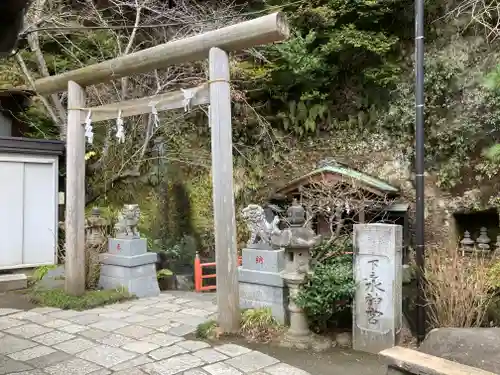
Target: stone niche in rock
pixel 476 229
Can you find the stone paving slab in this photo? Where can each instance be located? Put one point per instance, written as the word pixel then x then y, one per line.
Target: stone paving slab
pixel 8 366
pixel 140 337
pixel 252 361
pixel 6 311
pixel 28 330
pixel 106 356
pixel 221 369
pixel 10 344
pixel 74 366
pixel 31 353
pixel 48 360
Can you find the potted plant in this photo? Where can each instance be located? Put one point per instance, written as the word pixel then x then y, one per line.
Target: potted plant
pixel 166 279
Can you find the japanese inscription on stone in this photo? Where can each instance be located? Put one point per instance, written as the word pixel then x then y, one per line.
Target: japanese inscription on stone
pixel 373 273
pixel 374 292
pixel 377 313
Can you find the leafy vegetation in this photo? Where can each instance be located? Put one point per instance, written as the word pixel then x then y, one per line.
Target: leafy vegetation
pixel 163 273
pixel 206 330
pixel 330 287
pixel 92 298
pixel 41 271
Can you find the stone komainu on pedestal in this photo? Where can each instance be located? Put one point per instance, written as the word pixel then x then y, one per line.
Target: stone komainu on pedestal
pixel 260 281
pixel 127 262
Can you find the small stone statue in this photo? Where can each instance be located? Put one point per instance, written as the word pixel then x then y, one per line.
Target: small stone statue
pixel 128 219
pixel 95 228
pixel 467 243
pixel 260 229
pixel 483 240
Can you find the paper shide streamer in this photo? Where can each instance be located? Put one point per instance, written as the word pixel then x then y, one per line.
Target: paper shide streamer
pixel 120 131
pixel 154 112
pixel 89 132
pixel 188 96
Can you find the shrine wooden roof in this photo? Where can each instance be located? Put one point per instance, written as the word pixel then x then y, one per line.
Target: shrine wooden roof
pixel 339 171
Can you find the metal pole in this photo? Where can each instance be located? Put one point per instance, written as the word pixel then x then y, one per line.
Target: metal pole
pixel 419 165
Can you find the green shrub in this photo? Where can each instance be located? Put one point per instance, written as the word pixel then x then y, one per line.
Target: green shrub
pixel 259 325
pixel 206 330
pixel 164 273
pixel 329 289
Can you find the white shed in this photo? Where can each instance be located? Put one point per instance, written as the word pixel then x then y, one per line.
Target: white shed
pixel 29 174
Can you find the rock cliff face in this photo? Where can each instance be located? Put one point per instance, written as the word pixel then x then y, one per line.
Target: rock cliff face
pixel 374 155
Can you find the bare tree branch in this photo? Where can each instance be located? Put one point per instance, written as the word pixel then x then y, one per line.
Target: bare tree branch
pixel 341 203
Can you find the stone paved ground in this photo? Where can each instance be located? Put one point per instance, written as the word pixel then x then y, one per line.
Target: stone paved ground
pixel 139 337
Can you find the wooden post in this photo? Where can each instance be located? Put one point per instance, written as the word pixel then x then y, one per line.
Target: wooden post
pixel 75 193
pixel 226 256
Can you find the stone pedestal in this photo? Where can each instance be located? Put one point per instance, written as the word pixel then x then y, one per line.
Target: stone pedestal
pixel 261 284
pixel 299 332
pixel 128 264
pixel 378 272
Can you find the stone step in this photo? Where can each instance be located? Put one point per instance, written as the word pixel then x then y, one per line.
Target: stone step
pixel 13 282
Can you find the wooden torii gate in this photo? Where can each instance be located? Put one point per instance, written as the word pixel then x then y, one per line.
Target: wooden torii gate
pixel 216 92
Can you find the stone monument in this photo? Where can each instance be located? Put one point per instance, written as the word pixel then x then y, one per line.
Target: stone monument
pixel 378 272
pixel 127 262
pixel 260 282
pixel 298 242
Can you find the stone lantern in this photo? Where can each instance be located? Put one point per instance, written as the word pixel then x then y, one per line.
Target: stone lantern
pixel 297 241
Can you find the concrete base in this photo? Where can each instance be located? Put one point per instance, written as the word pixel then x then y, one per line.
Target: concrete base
pixel 13 282
pixel 404 361
pixel 260 278
pixel 311 341
pixel 128 261
pixel 146 286
pixel 128 265
pixel 261 284
pixel 256 296
pixel 128 272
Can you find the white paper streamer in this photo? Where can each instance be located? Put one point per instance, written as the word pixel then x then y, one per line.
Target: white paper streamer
pixel 89 132
pixel 188 96
pixel 120 131
pixel 156 119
